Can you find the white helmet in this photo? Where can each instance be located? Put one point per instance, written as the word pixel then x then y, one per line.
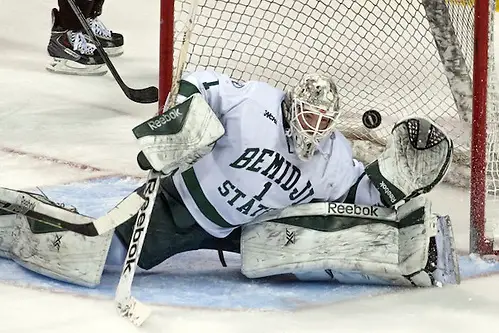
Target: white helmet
pixel 314 112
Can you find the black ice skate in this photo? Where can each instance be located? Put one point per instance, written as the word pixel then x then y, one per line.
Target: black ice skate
pixel 72 52
pixel 112 42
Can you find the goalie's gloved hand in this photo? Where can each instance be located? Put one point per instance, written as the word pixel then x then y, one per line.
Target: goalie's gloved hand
pixel 145 165
pixel 178 137
pixel 415 161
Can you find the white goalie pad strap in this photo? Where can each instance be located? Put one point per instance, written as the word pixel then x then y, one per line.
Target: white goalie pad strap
pixel 415 161
pixel 61 255
pixel 180 135
pixel 347 247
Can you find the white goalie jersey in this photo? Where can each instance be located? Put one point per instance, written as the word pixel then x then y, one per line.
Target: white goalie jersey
pixel 252 168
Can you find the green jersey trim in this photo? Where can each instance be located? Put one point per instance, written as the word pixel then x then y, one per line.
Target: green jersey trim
pixel 206 208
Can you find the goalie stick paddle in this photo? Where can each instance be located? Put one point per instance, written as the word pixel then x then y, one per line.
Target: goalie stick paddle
pixel 127 305
pixel 144 95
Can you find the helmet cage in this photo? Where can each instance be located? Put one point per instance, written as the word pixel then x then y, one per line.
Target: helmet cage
pixel 308 134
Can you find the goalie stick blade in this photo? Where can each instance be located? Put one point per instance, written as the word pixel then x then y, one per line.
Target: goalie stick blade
pixel 28 204
pixel 134 310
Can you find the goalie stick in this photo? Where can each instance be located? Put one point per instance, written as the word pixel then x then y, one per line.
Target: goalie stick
pixel 41 209
pixel 145 95
pixel 127 305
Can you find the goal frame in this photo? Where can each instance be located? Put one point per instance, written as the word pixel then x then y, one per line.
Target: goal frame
pixel 479 244
pixel 478 188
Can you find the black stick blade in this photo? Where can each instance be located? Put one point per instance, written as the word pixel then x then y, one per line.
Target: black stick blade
pixel 145 95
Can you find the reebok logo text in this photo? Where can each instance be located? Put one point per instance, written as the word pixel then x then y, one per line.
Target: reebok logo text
pixel 131 257
pixel 352 209
pixel 388 192
pixel 164 119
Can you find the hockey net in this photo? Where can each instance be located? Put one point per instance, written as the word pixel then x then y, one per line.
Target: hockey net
pixel 399 57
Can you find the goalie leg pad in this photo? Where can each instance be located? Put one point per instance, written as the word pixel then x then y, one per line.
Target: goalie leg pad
pixel 415 161
pixel 447 266
pixel 61 255
pixel 352 249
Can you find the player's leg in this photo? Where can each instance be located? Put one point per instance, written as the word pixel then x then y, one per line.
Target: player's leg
pixel 45 248
pixel 172 230
pixel 353 244
pixel 111 41
pixel 52 251
pixel 415 162
pixel 68 19
pixel 69 48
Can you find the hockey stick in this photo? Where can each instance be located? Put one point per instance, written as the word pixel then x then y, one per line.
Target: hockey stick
pixel 145 95
pixel 126 304
pixel 47 212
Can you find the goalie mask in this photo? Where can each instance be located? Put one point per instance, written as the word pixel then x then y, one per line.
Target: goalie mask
pixel 313 114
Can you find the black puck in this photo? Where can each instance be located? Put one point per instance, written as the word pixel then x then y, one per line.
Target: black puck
pixel 371 119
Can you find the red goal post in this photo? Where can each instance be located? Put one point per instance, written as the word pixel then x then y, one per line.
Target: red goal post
pixel 401 57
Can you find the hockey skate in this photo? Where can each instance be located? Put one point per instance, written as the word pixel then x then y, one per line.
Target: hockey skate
pixel 72 53
pixel 111 41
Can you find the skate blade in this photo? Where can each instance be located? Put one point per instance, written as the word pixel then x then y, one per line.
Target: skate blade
pixel 69 67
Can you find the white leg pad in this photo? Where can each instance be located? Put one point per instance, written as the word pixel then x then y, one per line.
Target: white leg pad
pixel 61 255
pixel 353 250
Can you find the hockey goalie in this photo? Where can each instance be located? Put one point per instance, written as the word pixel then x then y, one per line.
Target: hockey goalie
pixel 252 169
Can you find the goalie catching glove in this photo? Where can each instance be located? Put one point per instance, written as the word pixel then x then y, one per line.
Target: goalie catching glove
pixel 178 137
pixel 414 162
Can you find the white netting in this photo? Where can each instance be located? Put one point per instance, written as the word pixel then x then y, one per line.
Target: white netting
pixel 400 57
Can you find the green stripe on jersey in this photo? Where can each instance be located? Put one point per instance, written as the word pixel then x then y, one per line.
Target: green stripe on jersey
pixel 206 208
pixel 187 89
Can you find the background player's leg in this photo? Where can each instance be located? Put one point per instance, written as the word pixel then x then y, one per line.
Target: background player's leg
pixel 71 51
pixel 111 41
pixel 68 19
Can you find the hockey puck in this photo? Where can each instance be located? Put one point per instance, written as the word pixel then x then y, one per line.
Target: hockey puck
pixel 371 119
